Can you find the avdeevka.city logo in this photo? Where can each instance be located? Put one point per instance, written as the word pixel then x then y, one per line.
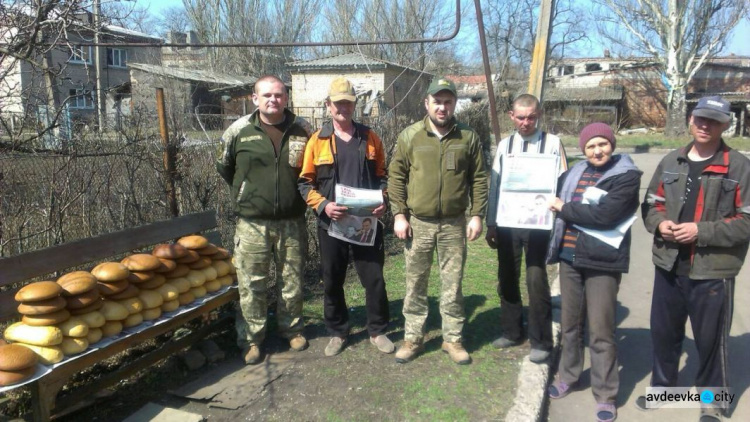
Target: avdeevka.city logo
pixel 685 397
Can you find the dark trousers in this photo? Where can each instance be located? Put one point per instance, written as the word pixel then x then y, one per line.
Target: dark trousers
pixel 709 305
pixel 590 295
pixel 511 245
pixel 368 260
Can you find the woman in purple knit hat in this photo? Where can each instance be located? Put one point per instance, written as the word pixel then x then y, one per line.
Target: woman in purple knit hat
pixel 598 196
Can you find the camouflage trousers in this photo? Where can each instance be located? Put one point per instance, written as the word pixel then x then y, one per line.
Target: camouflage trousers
pixel 257 243
pixel 448 236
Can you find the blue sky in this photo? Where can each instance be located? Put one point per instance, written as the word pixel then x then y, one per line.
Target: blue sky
pixel 738 45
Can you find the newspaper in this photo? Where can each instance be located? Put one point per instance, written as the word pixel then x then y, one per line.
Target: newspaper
pixel 359 226
pixel 527 183
pixel 592 195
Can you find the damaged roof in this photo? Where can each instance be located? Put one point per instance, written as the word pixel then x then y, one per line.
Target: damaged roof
pixel 599 93
pixel 195 75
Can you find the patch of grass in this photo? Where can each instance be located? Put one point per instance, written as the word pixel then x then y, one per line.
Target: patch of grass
pixel 431 387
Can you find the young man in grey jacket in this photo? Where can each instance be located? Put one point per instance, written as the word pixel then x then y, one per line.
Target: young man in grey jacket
pixel 698 208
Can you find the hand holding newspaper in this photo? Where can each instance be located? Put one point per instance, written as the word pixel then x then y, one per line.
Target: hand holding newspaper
pixel 613 237
pixel 359 226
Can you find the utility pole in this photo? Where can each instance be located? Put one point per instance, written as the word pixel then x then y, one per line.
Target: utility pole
pixel 99 91
pixel 541 47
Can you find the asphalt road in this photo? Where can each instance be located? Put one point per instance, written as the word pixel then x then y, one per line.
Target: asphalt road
pixel 634 341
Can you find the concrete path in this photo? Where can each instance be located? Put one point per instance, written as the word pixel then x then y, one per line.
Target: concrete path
pixel 634 341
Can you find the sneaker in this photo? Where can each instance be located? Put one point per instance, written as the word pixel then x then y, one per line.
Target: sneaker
pixel 251 354
pixel 408 351
pixel 606 412
pixel 383 343
pixel 538 356
pixel 504 343
pixel 641 404
pixel 558 389
pixel 298 343
pixel 710 414
pixel 457 352
pixel 335 346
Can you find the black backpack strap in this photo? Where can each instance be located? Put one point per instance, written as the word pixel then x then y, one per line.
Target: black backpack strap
pixel 542 142
pixel 510 144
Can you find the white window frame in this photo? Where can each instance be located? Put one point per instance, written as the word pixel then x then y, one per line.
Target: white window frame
pixel 122 57
pixel 78 54
pixel 81 99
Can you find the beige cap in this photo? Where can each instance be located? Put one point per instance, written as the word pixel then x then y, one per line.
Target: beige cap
pixel 341 90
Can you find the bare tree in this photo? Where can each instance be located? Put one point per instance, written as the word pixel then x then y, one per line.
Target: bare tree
pixel 131 16
pixel 249 21
pixel 678 35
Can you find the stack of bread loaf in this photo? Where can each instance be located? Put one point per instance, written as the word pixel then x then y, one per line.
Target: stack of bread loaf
pixel 210 268
pixel 42 308
pixel 121 307
pixel 17 364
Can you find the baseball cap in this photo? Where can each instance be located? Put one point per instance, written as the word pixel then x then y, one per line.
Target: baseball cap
pixel 714 108
pixel 341 89
pixel 441 84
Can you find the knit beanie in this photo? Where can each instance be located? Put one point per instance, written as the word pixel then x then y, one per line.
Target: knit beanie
pixel 597 129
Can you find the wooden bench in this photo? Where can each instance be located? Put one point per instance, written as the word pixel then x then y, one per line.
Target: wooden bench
pixel 17 269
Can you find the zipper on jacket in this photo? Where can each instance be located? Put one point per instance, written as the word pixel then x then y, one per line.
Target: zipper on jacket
pixel 440 178
pixel 242 189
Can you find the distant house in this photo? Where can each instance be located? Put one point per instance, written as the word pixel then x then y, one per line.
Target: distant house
pixel 632 93
pixel 381 86
pixel 208 99
pixel 24 90
pixel 471 89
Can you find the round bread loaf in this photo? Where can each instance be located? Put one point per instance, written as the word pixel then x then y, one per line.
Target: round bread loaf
pixel 111 328
pixel 210 273
pixel 94 335
pixel 186 298
pixel 193 242
pixel 112 288
pixel 168 292
pixel 169 251
pixel 203 262
pixel 93 319
pixel 133 320
pixel 41 290
pixel 74 345
pixel 81 301
pixel 155 282
pixel 38 336
pixel 48 355
pixel 76 283
pixel 221 254
pixel 170 305
pixel 180 271
pixel 138 277
pixel 131 291
pixel 181 284
pixel 14 377
pixel 190 257
pixel 212 286
pixel 151 299
pixel 46 319
pixel 14 357
pixel 151 314
pixel 74 327
pixel 132 305
pixel 141 262
pixel 42 306
pixel 226 280
pixel 95 306
pixel 114 311
pixel 167 266
pixel 208 250
pixel 196 278
pixel 221 267
pixel 109 272
pixel 198 292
